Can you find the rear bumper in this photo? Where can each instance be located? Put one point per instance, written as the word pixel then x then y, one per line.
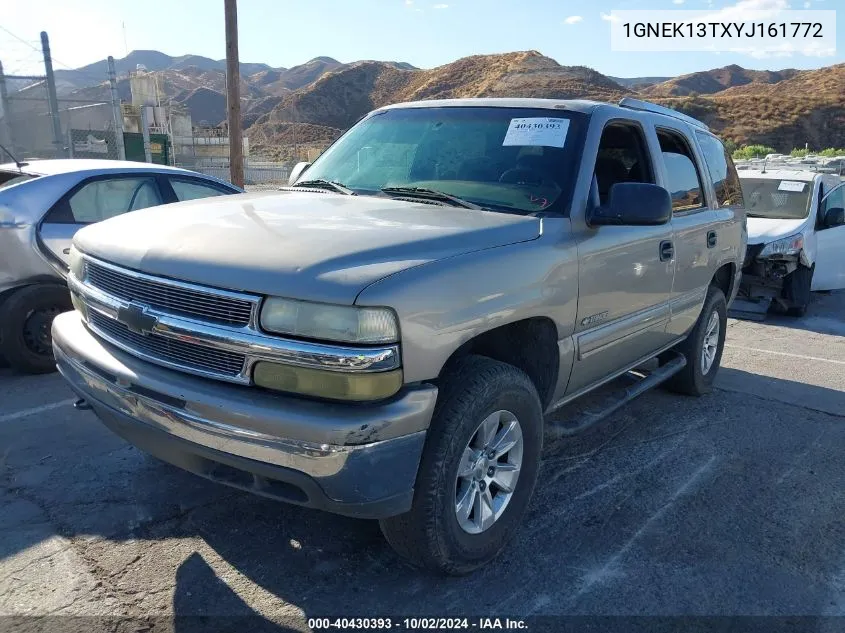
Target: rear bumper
pixel 349 459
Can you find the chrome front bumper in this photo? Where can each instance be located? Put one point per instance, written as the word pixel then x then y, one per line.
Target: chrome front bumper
pixel 350 459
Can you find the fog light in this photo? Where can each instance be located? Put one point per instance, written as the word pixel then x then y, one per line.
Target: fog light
pixel 327 384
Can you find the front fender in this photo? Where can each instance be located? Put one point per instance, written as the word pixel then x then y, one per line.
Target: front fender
pixel 445 303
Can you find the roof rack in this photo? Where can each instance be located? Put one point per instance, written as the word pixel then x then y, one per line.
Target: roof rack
pixel 645 106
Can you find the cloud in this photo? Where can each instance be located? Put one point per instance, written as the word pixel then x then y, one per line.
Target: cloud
pixel 440 6
pixel 808 4
pixel 678 1
pixel 573 19
pixel 409 3
pixel 748 11
pixel 609 17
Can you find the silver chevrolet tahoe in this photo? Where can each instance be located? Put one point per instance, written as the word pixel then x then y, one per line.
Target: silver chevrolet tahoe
pixel 385 337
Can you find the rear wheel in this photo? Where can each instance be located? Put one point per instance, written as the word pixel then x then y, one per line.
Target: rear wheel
pixel 703 347
pixel 478 469
pixel 26 318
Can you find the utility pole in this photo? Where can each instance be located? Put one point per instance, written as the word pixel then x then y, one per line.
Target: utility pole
pixel 5 128
pixel 58 139
pixel 116 113
pixel 233 95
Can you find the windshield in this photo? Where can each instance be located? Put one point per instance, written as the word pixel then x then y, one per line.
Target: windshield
pixel 519 160
pixel 777 199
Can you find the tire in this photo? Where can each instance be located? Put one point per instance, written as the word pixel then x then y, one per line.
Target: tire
pixel 430 534
pixel 692 380
pixel 25 320
pixel 796 290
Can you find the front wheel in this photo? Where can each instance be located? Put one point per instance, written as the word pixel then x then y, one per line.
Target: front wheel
pixel 478 469
pixel 703 347
pixel 796 290
pixel 26 318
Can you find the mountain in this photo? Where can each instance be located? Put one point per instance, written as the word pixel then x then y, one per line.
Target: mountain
pixel 716 80
pixel 321 110
pixel 638 83
pixel 807 107
pixel 312 103
pixel 783 109
pixel 97 72
pixel 200 82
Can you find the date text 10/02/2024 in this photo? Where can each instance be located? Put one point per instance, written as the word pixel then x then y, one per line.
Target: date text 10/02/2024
pixel 415 624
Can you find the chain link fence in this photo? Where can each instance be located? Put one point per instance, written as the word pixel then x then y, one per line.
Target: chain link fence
pixel 79 128
pixel 85 123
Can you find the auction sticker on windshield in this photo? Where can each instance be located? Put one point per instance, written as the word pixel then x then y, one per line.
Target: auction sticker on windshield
pixel 537 131
pixel 791 185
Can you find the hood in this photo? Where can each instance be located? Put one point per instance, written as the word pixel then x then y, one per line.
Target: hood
pixel 313 246
pixel 765 230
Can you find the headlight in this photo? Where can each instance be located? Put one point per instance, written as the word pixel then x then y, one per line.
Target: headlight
pixel 323 321
pixel 76 263
pixel 791 245
pixel 334 385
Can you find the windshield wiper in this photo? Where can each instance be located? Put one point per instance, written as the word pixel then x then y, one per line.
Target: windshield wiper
pixel 430 194
pixel 322 183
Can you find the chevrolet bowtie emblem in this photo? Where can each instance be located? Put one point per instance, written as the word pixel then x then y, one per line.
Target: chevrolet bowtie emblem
pixel 135 317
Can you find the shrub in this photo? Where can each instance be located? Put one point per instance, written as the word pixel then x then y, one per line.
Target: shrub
pixel 753 151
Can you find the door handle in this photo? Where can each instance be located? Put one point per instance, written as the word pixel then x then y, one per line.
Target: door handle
pixel 66 251
pixel 711 239
pixel 667 251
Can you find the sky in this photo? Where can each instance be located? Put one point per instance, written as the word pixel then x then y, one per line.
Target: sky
pixel 426 33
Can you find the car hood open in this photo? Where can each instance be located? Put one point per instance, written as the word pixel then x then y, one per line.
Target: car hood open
pixel 306 245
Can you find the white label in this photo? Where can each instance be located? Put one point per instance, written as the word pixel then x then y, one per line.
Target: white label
pixel 754 27
pixel 542 131
pixel 791 185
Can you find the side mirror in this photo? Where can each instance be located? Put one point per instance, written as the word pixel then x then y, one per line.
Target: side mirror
pixel 634 204
pixel 835 216
pixel 297 171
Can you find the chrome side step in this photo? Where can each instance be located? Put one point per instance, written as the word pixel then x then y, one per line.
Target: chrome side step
pixel 573 419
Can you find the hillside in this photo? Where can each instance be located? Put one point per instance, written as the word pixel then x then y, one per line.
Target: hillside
pixel 715 80
pixel 312 103
pixel 638 83
pixel 339 98
pixel 68 80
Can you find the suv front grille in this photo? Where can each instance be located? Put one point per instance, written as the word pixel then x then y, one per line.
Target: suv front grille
pixel 178 354
pixel 171 298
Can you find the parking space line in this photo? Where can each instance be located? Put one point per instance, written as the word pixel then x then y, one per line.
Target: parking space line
pixel 801 356
pixel 27 412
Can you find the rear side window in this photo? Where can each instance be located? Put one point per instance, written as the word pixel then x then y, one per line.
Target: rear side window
pixel 684 181
pixel 194 189
pixel 105 198
pixel 722 171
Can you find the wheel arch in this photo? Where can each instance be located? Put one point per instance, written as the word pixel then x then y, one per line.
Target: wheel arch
pixel 529 344
pixel 725 279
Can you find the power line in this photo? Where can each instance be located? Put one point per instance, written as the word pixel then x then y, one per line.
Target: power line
pixel 58 61
pixel 20 39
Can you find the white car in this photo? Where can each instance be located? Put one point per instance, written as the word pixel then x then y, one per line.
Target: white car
pixel 796 239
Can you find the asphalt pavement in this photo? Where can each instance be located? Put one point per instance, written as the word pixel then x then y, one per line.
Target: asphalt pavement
pixel 726 505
